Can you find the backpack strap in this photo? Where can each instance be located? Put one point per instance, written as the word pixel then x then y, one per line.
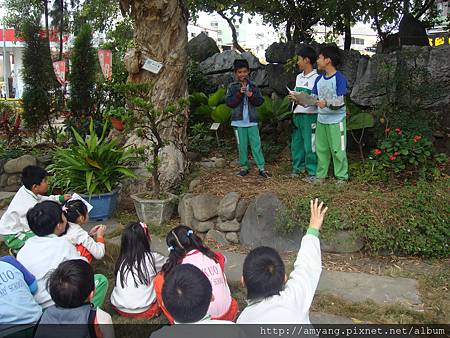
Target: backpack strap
pixel 91 323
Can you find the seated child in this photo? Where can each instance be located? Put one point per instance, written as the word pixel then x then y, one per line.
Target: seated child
pixel 17 305
pixel 71 287
pixel 45 251
pixel 136 267
pixel 13 224
pixel 272 299
pixel 77 214
pixel 187 248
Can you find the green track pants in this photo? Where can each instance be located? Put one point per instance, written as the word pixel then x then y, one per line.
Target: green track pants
pixel 331 142
pixel 244 136
pixel 303 144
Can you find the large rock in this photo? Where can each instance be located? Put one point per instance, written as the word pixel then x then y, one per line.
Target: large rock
pixel 185 210
pixel 278 78
pixel 241 208
pixel 258 76
pixel 342 242
pixel 229 226
pixel 227 206
pixel 202 47
pixel 223 62
pixel 16 165
pixel 205 206
pixel 349 66
pixel 232 237
pixel 258 225
pixel 14 180
pixel 217 237
pixel 280 52
pixel 202 226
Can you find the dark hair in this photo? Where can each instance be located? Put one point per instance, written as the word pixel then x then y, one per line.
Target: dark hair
pixel 71 283
pixel 134 253
pixel 44 217
pixel 180 241
pixel 75 209
pixel 308 52
pixel 332 53
pixel 187 293
pixel 240 63
pixel 263 273
pixel 32 175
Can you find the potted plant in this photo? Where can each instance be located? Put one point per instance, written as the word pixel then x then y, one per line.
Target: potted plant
pixel 94 168
pixel 156 206
pixel 119 116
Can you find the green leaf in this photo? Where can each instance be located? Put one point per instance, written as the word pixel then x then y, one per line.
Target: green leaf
pixel 360 121
pixel 93 163
pixel 217 98
pixel 221 114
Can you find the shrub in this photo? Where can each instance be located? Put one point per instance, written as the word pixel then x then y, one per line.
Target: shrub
pixel 407 220
pixel 201 139
pixel 403 154
pixel 91 166
pixel 210 108
pixel 197 81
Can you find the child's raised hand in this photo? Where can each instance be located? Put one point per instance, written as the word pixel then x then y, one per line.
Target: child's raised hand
pixel 94 230
pixel 317 214
pixel 67 197
pixel 101 231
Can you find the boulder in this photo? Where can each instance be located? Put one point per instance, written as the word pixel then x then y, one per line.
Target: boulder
pixel 194 183
pixel 241 208
pixel 205 206
pixel 349 66
pixel 193 156
pixel 258 225
pixel 232 237
pixel 278 78
pixel 4 180
pixel 213 162
pixel 227 206
pixel 202 47
pixel 185 210
pixel 44 160
pixel 217 237
pixel 229 226
pixel 16 165
pixel 221 79
pixel 342 242
pixel 280 52
pixel 14 180
pixel 259 77
pixel 11 188
pixel 202 226
pixel 2 164
pixel 223 62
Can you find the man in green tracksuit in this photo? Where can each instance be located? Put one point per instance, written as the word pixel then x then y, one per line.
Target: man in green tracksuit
pixel 304 119
pixel 244 96
pixel 331 134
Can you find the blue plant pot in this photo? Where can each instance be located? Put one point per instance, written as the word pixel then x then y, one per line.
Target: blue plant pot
pixel 103 205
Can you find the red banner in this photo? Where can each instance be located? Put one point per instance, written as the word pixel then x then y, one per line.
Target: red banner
pixel 60 71
pixel 105 58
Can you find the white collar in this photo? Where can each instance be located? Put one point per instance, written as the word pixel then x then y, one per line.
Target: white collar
pixel 314 72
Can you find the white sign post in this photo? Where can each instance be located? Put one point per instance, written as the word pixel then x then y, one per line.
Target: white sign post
pixel 215 126
pixel 152 66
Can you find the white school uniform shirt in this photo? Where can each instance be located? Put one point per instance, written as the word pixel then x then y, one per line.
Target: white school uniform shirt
pixel 132 299
pixel 293 303
pixel 14 220
pixel 40 255
pixel 305 83
pixel 77 235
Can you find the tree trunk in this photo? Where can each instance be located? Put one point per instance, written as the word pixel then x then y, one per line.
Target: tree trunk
pixel 347 36
pixel 61 30
pixel 288 30
pixel 161 34
pixel 46 19
pixel 236 44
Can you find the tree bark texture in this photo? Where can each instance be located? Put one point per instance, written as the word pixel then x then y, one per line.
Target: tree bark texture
pixel 161 34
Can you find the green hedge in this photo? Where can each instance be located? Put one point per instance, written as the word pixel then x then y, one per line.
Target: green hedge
pixel 403 220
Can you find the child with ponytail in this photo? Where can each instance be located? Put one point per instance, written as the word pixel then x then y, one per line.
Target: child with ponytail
pixel 76 213
pixel 133 295
pixel 185 247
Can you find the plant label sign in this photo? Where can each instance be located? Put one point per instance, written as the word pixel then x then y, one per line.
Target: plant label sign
pixel 215 126
pixel 152 66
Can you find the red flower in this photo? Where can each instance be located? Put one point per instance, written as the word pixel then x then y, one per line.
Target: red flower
pixel 392 158
pixel 417 138
pixel 396 153
pixel 399 131
pixel 377 152
pixel 387 130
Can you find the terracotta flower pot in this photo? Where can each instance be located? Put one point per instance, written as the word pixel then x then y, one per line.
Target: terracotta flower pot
pixel 117 124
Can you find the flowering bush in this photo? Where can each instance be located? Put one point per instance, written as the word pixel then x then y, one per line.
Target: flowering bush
pixel 404 153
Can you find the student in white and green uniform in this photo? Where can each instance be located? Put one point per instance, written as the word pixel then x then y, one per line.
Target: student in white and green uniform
pixel 305 118
pixel 331 132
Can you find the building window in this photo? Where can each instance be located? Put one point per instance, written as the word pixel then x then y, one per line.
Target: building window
pixel 357 41
pixel 219 32
pixel 214 24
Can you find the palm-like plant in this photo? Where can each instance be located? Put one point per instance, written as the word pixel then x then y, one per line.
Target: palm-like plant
pixel 91 166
